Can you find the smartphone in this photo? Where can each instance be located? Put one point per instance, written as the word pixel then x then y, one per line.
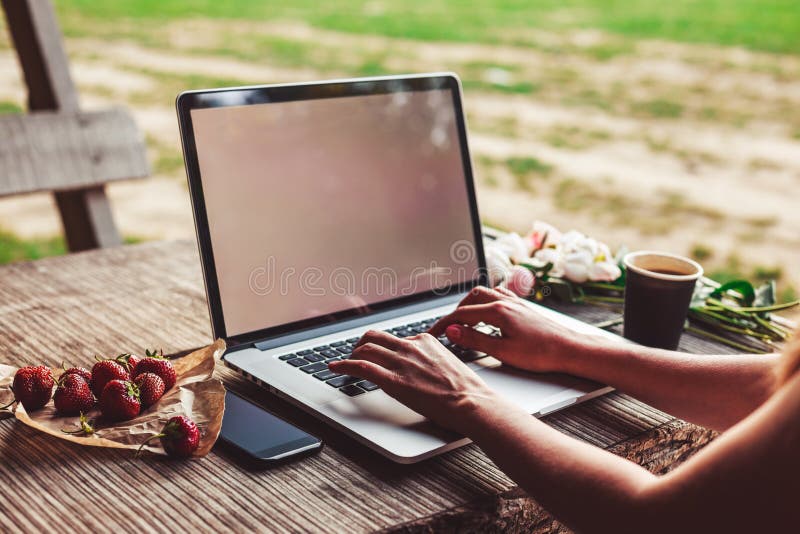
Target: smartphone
pixel 262 437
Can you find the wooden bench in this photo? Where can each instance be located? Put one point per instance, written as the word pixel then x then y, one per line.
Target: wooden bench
pixel 58 147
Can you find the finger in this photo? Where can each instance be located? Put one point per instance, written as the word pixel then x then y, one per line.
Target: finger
pixel 469 315
pixel 480 295
pixel 506 292
pixel 363 369
pixel 379 337
pixel 374 353
pixel 472 339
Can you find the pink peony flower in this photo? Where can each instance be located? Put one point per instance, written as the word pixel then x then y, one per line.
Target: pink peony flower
pixel 542 235
pixel 520 281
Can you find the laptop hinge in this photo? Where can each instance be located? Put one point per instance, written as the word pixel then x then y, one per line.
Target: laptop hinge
pixel 340 326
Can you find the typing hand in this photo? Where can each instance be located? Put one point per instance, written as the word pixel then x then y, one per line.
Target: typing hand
pixel 422 374
pixel 529 339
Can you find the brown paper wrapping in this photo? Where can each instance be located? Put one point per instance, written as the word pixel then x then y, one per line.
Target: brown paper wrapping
pixel 195 394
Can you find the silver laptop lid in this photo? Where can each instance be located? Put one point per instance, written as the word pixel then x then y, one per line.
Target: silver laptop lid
pixel 320 202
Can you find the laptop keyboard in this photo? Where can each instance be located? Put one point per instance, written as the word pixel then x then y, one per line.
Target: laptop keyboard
pixel 314 362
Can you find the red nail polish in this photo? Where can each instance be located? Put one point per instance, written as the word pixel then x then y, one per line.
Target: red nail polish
pixel 453 332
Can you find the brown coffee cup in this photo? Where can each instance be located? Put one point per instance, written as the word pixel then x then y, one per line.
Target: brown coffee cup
pixel 658 292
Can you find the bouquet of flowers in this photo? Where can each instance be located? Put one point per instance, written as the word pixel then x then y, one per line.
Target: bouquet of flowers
pixel 576 268
pixel 546 261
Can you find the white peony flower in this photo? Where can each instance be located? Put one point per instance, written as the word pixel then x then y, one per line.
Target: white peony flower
pixel 574 256
pixel 577 265
pixel 498 264
pixel 551 255
pixel 604 271
pixel 513 246
pixel 603 253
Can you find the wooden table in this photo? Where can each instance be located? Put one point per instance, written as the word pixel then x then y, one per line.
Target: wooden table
pixel 151 295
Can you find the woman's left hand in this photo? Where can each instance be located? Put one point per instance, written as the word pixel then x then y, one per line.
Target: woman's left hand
pixel 422 374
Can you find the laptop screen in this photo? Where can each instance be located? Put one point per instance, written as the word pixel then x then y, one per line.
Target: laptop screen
pixel 321 206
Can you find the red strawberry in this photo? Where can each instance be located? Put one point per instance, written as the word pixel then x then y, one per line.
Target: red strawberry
pixel 120 400
pixel 104 372
pixel 80 371
pixel 158 365
pixel 179 437
pixel 33 387
pixel 73 395
pixel 151 388
pixel 128 361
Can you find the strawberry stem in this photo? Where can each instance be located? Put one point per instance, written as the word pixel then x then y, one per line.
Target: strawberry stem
pixel 145 442
pixel 86 426
pixel 154 353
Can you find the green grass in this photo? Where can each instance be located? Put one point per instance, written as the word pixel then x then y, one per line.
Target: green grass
pixel 659 108
pixel 575 138
pixel 14 248
pixel 523 88
pixel 772 25
pixel 9 107
pixel 701 252
pixel 520 166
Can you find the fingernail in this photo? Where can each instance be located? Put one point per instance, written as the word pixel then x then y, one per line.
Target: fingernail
pixel 453 332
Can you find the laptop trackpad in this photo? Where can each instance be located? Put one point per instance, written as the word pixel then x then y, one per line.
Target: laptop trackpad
pixel 534 392
pixel 399 430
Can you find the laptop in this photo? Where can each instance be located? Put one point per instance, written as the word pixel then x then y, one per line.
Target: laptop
pixel 326 209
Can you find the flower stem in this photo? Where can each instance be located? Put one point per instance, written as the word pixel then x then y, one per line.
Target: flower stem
pixel 725 341
pixel 603 298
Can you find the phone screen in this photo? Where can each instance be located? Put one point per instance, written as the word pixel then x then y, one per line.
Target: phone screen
pixel 258 432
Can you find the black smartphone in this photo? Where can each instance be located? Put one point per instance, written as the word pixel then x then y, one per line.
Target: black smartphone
pixel 261 436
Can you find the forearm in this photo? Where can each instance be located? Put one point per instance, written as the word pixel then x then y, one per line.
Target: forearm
pixel 585 487
pixel 716 391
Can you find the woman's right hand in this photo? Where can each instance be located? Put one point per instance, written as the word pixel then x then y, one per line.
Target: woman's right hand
pixel 529 339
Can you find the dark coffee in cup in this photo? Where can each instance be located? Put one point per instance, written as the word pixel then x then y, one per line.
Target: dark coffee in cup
pixel 658 291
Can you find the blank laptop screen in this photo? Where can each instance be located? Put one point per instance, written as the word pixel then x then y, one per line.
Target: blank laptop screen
pixel 319 206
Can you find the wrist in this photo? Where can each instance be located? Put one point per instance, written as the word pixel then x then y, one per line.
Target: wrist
pixel 571 356
pixel 480 412
pixel 589 356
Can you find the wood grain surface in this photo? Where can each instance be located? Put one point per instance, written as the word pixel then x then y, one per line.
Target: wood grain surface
pixel 151 295
pixel 56 151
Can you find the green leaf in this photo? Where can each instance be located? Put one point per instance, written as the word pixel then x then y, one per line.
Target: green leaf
pixel 742 287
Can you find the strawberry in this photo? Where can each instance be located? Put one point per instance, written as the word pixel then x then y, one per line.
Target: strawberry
pixel 119 400
pixel 73 395
pixel 33 387
pixel 80 371
pixel 158 365
pixel 151 388
pixel 105 371
pixel 179 437
pixel 128 361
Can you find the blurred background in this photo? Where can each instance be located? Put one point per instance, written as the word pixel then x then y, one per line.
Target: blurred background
pixel 667 125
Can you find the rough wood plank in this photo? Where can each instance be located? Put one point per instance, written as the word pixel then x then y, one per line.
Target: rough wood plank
pixel 53 151
pixel 151 295
pixel 659 450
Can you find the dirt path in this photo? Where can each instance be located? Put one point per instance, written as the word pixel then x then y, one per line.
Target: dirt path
pixel 703 140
